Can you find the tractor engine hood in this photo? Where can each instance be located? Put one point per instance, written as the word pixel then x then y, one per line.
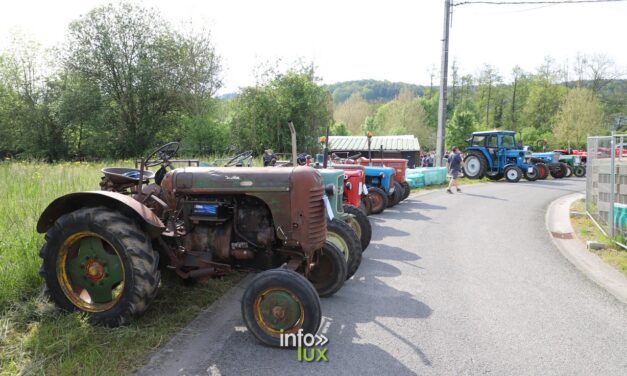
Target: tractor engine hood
pixel 231 179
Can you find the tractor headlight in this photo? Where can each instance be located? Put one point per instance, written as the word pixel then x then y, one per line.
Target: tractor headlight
pixel 348 186
pixel 329 189
pixel 381 175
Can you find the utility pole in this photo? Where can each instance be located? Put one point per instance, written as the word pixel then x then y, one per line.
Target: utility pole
pixel 439 148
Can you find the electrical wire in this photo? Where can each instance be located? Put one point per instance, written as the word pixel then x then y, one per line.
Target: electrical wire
pixel 535 2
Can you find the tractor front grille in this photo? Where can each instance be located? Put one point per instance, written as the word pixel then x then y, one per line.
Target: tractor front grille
pixel 316 216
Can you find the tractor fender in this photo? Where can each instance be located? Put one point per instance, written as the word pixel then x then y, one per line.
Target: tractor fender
pixel 125 204
pixel 508 165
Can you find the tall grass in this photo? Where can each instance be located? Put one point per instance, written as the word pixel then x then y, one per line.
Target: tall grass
pixel 37 338
pixel 26 188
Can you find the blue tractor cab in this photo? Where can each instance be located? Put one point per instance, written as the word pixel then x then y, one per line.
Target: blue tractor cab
pixel 496 154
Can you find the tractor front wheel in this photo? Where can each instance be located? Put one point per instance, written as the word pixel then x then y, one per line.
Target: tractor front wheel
pixel 569 171
pixel 580 171
pixel 396 197
pixel 559 171
pixel 280 301
pixel 532 175
pixel 360 223
pixel 378 198
pixel 366 205
pixel 494 176
pixel 512 174
pixel 329 271
pixel 543 171
pixel 475 165
pixel 99 261
pixel 406 190
pixel 344 237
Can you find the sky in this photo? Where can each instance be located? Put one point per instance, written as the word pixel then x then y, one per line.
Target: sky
pixel 395 40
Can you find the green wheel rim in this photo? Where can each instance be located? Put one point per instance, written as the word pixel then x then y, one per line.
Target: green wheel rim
pixel 278 310
pixel 352 221
pixel 339 242
pixel 90 272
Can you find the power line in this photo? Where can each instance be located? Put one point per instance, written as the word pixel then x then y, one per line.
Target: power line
pixel 536 2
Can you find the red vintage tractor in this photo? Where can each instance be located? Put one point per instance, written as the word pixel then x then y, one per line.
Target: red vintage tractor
pixel 400 166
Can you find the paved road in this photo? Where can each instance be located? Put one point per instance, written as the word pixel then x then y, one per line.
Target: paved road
pixel 462 284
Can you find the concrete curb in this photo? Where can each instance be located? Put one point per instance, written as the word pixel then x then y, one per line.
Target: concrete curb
pixel 204 332
pixel 570 246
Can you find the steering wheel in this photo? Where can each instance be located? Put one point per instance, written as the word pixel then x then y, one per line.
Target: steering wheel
pixel 162 154
pixel 239 158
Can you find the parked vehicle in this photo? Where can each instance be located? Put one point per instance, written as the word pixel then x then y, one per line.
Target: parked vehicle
pixel 343 229
pixel 551 160
pixel 496 154
pixel 575 159
pixel 103 248
pixel 400 169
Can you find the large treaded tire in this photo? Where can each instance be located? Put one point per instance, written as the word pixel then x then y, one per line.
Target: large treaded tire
pixel 365 228
pixel 342 235
pixel 558 171
pixel 513 174
pixel 329 274
pixel 569 171
pixel 406 190
pixel 494 177
pixel 580 171
pixel 396 197
pixel 282 279
pixel 140 263
pixel 379 199
pixel 366 203
pixel 535 175
pixel 483 165
pixel 543 171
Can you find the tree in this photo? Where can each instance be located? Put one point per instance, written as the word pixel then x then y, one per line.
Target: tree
pixel 405 115
pixel 580 115
pixel 261 113
pixel 353 112
pixel 459 128
pixel 339 129
pixel 146 70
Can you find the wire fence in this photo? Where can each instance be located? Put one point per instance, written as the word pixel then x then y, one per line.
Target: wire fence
pixel 606 184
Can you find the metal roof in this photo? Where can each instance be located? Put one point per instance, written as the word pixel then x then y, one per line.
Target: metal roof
pixel 360 143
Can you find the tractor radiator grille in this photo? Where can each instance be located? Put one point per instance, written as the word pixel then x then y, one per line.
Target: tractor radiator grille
pixel 316 217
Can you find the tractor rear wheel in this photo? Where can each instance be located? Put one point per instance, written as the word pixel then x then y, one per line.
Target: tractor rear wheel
pixel 559 171
pixel 580 171
pixel 543 171
pixel 99 261
pixel 475 165
pixel 494 176
pixel 512 174
pixel 342 235
pixel 406 190
pixel 329 271
pixel 361 224
pixel 533 175
pixel 379 199
pixel 280 301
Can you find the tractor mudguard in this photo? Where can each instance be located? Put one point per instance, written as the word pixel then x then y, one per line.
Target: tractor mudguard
pixel 125 204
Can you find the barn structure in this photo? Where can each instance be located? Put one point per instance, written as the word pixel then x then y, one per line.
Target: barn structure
pixel 405 146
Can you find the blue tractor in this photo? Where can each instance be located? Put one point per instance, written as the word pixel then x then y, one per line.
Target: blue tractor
pixel 552 161
pixel 495 154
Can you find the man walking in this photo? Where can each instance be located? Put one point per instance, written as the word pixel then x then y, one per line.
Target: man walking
pixel 455 165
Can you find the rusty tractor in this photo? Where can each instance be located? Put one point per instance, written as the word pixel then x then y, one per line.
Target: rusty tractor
pixel 104 248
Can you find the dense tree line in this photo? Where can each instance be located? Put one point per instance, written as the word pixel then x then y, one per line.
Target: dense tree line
pixel 555 106
pixel 125 80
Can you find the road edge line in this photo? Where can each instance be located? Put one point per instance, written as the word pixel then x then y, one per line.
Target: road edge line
pixel 557 220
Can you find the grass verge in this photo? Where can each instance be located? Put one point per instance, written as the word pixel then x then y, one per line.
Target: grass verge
pixel 35 337
pixel 586 230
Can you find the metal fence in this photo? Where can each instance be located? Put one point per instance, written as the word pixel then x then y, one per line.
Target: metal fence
pixel 606 184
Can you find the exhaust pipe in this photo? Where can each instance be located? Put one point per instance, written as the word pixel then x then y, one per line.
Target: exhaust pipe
pixel 293 132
